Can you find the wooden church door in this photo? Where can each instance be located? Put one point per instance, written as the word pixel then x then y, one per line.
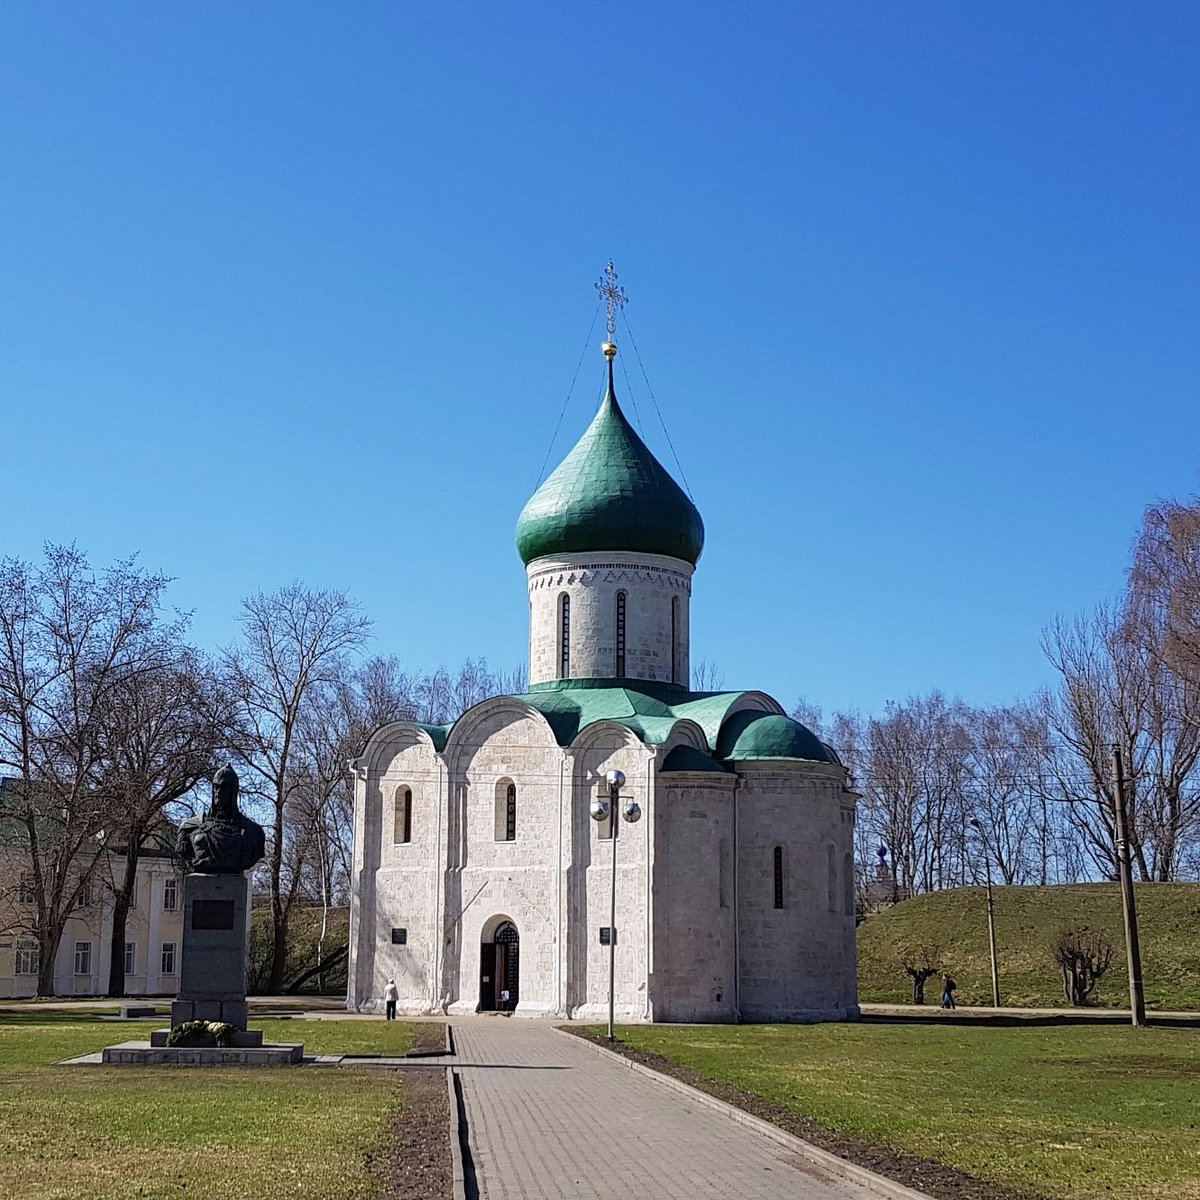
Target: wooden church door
pixel 508 976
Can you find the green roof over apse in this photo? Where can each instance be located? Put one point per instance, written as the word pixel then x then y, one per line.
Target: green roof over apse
pixel 750 735
pixel 688 758
pixel 610 493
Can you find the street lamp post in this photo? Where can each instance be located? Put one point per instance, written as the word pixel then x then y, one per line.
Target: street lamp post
pixel 987 868
pixel 601 809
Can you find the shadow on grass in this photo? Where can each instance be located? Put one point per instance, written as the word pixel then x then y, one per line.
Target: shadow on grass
pixel 73 1016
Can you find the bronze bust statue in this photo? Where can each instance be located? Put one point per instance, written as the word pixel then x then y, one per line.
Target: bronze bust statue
pixel 223 841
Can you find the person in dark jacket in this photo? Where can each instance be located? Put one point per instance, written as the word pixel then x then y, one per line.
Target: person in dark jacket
pixel 948 986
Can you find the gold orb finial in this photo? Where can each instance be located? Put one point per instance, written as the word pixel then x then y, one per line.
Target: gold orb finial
pixel 610 350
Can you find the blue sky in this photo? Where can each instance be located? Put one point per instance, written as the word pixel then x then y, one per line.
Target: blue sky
pixel 297 291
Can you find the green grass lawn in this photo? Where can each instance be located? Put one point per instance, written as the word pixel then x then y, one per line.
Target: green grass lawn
pixel 1027 922
pixel 1067 1111
pixel 206 1133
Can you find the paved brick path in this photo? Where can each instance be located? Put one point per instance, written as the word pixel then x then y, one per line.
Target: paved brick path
pixel 538 1107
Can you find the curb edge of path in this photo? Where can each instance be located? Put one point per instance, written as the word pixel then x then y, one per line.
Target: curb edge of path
pixel 823 1158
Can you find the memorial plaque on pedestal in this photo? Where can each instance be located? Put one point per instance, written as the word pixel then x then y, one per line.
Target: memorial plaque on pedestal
pixel 212 914
pixel 212 978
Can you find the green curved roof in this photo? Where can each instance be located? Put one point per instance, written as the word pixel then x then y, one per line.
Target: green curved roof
pixel 755 735
pixel 688 758
pixel 650 710
pixel 610 493
pixel 437 734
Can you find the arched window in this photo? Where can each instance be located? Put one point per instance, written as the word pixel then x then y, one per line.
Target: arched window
pixel 506 811
pixel 402 828
pixel 674 639
pixel 778 864
pixel 848 884
pixel 831 859
pixel 564 635
pixel 620 635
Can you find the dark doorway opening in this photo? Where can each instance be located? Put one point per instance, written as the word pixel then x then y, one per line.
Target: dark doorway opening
pixel 500 970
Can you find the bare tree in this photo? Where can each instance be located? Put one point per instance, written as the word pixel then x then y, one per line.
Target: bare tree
pixel 294 642
pixel 1083 956
pixel 331 732
pixel 1118 686
pixel 920 961
pixel 707 677
pixel 1165 585
pixel 1100 701
pixel 159 737
pixel 1005 795
pixel 440 697
pixel 69 639
pixel 810 716
pixel 913 769
pixel 1163 617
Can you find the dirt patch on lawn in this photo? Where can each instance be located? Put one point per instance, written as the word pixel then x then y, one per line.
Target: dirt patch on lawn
pixel 415 1163
pixel 942 1182
pixel 429 1037
pixel 1131 1064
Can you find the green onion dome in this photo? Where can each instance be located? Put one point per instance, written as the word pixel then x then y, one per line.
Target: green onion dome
pixel 755 735
pixel 610 493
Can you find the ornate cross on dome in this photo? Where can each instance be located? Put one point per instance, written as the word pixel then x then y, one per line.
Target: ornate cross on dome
pixel 614 297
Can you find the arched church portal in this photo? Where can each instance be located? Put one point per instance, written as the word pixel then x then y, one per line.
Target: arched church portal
pixel 500 968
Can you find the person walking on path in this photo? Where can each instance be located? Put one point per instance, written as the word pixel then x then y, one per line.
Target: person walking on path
pixel 391 994
pixel 948 986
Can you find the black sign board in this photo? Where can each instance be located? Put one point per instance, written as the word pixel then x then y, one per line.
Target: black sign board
pixel 212 914
pixel 399 937
pixel 608 937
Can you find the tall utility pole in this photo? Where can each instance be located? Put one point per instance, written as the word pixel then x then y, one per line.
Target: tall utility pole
pixel 992 935
pixel 1133 952
pixel 991 914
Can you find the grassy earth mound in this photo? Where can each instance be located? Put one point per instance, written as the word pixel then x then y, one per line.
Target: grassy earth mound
pixel 1028 920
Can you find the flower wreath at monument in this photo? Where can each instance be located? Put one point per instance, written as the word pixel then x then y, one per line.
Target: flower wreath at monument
pixel 202 1033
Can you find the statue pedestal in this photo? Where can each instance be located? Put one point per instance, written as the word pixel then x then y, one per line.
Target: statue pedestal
pixel 212 979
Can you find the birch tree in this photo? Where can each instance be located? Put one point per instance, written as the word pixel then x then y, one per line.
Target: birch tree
pixel 294 642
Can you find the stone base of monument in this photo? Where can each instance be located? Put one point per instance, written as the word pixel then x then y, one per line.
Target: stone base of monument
pixel 212 985
pixel 144 1054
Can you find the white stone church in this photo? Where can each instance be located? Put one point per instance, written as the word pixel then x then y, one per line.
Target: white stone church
pixel 481 882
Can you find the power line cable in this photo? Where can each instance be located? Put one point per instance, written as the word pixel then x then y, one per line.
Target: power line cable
pixel 654 399
pixel 567 399
pixel 637 417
